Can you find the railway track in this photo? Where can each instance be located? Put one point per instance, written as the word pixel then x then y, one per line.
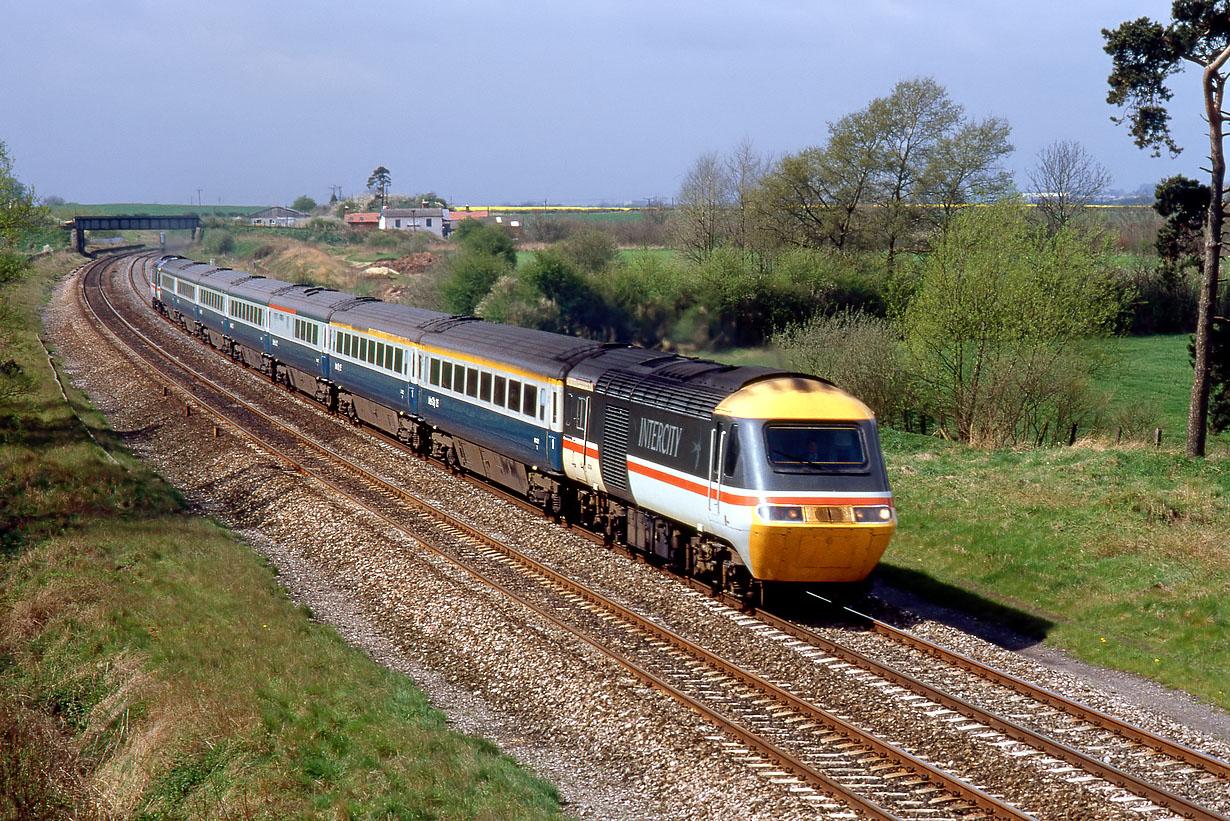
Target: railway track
pixel 777 731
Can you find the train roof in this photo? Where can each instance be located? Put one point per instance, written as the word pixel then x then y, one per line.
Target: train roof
pixel 256 289
pixel 311 301
pixel 682 384
pixel 403 321
pixel 203 273
pixel 539 353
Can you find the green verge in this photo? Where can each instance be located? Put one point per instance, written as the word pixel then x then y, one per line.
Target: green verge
pixel 148 656
pixel 1118 555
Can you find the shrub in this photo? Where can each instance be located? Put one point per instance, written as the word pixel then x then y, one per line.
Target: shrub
pixel 218 241
pixel 859 352
pixel 995 327
pixel 470 277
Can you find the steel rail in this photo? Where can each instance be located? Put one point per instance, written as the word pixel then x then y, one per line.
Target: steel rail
pixel 767 748
pixel 1009 728
pixel 1114 775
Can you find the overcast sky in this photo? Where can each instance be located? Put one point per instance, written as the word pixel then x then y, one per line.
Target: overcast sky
pixel 256 102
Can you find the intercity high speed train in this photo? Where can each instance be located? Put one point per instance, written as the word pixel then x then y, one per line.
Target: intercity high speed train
pixel 738 476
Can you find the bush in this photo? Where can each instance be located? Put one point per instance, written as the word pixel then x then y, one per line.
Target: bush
pixel 470 277
pixel 218 241
pixel 995 328
pixel 859 352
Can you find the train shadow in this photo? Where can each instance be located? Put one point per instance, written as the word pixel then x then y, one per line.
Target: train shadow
pixel 906 598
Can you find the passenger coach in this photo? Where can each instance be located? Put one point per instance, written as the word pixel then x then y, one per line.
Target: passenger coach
pixel 736 475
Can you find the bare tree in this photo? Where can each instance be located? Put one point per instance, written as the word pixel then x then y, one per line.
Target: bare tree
pixel 1066 180
pixel 744 169
pixel 703 206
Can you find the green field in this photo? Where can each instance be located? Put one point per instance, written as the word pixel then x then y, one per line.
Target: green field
pixel 1155 374
pixel 69 210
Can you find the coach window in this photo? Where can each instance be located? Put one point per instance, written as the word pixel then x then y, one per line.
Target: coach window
pixel 529 400
pixel 484 387
pixel 434 372
pixel 371 352
pixel 471 381
pixel 554 407
pixel 500 398
pixel 399 361
pixel 514 395
pixel 446 375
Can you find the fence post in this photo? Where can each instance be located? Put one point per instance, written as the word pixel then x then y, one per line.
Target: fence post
pixel 1157 438
pixel 1072 435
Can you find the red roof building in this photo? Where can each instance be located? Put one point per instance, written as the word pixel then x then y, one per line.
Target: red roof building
pixel 364 219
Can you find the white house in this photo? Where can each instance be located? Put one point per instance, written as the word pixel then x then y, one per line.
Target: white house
pixel 432 220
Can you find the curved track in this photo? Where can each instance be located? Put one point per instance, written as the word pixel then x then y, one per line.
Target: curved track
pixel 814 749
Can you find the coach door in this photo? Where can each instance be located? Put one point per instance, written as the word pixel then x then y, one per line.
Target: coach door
pixel 589 463
pixel 717 449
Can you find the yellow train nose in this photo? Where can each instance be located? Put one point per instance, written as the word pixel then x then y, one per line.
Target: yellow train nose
pixel 817 552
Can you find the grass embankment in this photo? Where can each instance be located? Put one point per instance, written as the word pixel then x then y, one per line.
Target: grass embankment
pixel 151 667
pixel 1125 550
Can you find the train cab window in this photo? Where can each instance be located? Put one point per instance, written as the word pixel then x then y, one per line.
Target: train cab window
pixel 806 448
pixel 446 376
pixel 514 395
pixel 484 387
pixel 731 462
pixel 529 399
pixel 500 397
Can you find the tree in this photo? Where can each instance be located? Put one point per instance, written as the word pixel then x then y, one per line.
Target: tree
pixel 20 212
pixel 1184 204
pixel 304 203
pixel 745 169
pixel 378 184
pixel 591 249
pixel 701 209
pixel 1144 55
pixel 994 327
pixel 867 187
pixel 1066 179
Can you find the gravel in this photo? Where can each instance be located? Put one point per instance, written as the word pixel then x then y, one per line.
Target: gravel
pixel 615 748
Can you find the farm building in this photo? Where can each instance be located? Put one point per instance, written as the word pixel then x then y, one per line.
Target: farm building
pixel 280 217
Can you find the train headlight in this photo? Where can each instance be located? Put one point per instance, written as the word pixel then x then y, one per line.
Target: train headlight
pixel 877 514
pixel 780 513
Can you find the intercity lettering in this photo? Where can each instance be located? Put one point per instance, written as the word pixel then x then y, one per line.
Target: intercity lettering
pixel 660 437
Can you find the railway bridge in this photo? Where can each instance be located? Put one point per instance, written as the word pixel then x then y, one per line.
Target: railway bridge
pixel 79 225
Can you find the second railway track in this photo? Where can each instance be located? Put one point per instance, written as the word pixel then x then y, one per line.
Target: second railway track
pixel 903 784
